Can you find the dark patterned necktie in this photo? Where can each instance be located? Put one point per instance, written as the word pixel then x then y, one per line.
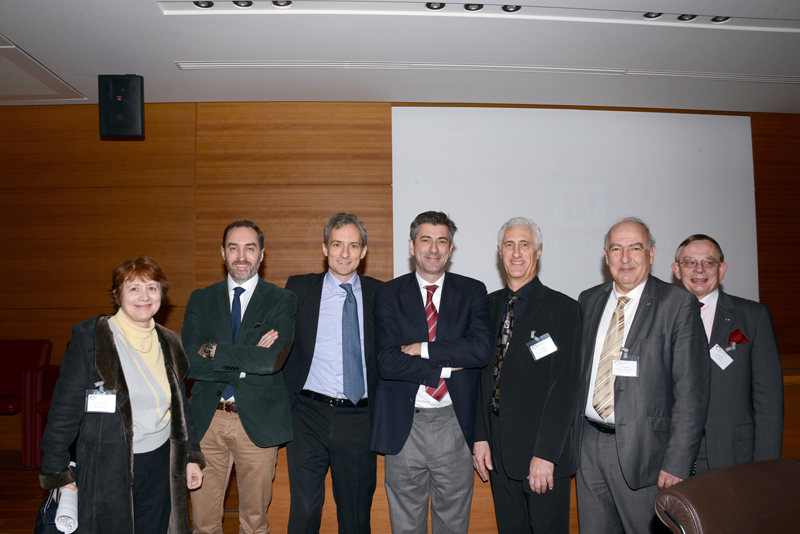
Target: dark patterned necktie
pixel 502 346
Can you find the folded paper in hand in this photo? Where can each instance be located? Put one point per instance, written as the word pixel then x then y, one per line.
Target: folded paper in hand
pixel 67 514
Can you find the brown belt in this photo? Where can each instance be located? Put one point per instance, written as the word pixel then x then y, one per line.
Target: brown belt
pixel 229 407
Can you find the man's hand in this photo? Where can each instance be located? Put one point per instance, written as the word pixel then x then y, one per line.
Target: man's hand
pixel 415 349
pixel 666 480
pixel 267 339
pixel 194 476
pixel 482 459
pixel 540 475
pixel 202 350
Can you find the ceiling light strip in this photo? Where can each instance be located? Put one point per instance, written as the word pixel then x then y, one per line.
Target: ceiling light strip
pixel 383 65
pixel 490 11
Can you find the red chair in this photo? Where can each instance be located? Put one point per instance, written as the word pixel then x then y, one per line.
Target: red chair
pixel 42 382
pixel 20 357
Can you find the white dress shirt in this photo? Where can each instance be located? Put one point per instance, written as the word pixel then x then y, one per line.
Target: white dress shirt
pixel 635 295
pixel 423 400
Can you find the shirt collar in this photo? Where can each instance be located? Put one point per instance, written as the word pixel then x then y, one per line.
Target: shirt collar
pixel 331 282
pixel 711 299
pixel 422 283
pixel 633 294
pixel 248 286
pixel 524 292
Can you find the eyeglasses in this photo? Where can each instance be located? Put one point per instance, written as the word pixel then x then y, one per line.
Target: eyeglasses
pixel 691 264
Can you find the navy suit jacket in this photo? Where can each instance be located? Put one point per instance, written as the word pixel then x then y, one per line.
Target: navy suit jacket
pixel 308 288
pixel 745 415
pixel 463 339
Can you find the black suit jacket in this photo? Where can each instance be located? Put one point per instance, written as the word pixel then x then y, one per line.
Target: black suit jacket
pixel 308 288
pixel 659 415
pixel 463 339
pixel 745 415
pixel 538 397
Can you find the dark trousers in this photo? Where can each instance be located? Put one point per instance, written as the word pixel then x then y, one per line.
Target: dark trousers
pixel 151 500
pixel 518 509
pixel 336 437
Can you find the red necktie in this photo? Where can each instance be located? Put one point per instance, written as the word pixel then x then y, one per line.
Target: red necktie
pixel 433 317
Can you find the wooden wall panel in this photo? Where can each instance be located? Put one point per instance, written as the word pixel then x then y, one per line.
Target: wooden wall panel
pixel 70 240
pixel 294 143
pixel 776 162
pixel 59 146
pixel 292 219
pixel 791 418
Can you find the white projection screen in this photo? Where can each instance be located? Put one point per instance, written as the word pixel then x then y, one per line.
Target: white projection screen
pixel 575 173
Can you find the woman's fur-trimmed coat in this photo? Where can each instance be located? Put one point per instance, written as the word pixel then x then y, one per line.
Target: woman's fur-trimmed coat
pixel 104 452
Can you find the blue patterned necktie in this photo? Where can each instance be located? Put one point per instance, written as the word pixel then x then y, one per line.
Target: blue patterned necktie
pixel 236 323
pixel 351 348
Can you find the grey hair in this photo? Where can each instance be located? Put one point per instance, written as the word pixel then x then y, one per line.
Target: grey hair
pixel 343 219
pixel 651 242
pixel 435 218
pixel 517 222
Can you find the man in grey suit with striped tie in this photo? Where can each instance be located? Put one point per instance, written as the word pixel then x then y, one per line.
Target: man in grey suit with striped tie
pixel 646 388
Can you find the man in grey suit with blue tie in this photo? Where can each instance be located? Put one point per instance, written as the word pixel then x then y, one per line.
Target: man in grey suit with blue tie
pixel 745 413
pixel 646 387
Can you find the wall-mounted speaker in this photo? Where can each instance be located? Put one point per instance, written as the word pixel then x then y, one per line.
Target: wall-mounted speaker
pixel 121 100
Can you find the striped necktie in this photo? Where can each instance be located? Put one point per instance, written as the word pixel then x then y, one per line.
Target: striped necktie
pixel 433 318
pixel 603 398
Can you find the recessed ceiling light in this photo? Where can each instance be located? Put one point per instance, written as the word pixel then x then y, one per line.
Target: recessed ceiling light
pixel 434 5
pixel 204 5
pixel 652 15
pixel 282 3
pixel 511 9
pixel 686 18
pixel 473 7
pixel 720 20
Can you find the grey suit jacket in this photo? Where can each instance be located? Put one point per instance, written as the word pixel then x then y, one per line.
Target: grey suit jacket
pixel 745 415
pixel 660 414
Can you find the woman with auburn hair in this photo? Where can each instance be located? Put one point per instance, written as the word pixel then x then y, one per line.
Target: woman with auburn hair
pixel 120 391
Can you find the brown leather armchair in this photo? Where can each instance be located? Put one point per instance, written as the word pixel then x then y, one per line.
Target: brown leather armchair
pixel 20 357
pixel 737 499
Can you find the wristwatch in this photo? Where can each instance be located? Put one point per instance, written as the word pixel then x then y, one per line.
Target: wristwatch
pixel 208 349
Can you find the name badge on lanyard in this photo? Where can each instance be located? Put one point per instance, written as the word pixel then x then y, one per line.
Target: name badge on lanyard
pixel 624 366
pixel 100 400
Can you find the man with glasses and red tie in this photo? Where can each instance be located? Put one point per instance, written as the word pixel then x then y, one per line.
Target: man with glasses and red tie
pixel 432 337
pixel 745 412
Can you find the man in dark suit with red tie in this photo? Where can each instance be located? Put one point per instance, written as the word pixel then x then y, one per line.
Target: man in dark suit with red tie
pixel 745 412
pixel 330 407
pixel 432 338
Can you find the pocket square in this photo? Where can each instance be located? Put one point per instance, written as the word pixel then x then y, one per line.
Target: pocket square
pixel 258 325
pixel 737 337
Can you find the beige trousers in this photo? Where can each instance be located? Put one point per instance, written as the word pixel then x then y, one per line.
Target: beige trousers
pixel 224 444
